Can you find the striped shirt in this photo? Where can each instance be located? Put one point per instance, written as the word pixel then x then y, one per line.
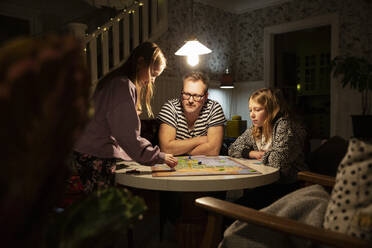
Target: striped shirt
pixel 210 115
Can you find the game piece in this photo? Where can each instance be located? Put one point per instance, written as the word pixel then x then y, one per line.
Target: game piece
pixel 199 162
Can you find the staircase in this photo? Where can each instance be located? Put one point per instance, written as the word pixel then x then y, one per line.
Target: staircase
pixel 110 45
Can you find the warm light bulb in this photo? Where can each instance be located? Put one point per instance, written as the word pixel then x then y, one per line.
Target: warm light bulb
pixel 227 86
pixel 193 59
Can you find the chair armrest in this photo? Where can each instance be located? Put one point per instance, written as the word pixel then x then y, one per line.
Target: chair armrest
pixel 281 224
pixel 316 178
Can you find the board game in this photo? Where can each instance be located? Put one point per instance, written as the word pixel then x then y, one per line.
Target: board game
pixel 203 165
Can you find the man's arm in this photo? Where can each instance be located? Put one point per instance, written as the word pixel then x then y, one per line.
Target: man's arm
pixel 169 144
pixel 213 145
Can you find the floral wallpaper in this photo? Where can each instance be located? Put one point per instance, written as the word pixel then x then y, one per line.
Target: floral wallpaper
pixel 250 26
pixel 211 26
pixel 237 40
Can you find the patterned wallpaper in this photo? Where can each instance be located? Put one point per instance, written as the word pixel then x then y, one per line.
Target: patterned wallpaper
pixel 237 43
pixel 250 27
pixel 237 40
pixel 211 26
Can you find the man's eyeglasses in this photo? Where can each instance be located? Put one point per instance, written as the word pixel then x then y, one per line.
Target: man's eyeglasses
pixel 196 97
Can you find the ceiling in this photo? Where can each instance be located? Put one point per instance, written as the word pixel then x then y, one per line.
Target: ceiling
pixel 241 6
pixel 233 6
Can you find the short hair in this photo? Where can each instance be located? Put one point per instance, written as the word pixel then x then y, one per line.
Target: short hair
pixel 197 75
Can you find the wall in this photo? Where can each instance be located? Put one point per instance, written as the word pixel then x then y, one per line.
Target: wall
pixel 354 37
pixel 236 40
pixel 249 51
pixel 239 40
pixel 212 27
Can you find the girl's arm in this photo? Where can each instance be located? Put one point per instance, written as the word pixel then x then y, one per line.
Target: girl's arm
pixel 242 145
pixel 287 146
pixel 124 124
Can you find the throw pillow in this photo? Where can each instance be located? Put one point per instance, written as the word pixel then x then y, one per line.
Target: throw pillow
pixel 350 208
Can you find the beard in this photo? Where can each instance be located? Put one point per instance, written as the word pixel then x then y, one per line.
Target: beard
pixel 192 109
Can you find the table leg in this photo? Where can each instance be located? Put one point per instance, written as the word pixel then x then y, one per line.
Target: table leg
pixel 192 224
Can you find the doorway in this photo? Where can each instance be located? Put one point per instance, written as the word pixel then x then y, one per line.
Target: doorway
pixel 331 20
pixel 302 72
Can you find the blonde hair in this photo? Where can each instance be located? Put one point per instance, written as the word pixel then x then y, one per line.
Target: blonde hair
pixel 274 104
pixel 152 56
pixel 147 91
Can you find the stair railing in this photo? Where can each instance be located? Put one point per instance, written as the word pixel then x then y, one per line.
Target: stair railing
pixel 110 45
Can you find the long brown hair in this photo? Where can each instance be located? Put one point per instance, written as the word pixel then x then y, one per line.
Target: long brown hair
pixel 152 56
pixel 274 104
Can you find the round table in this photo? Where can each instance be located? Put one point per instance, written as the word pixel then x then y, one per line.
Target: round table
pixel 191 225
pixel 145 180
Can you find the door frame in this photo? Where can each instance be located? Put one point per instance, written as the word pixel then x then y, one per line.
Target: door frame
pixel 314 22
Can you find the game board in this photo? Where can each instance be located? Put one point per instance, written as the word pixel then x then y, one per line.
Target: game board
pixel 203 165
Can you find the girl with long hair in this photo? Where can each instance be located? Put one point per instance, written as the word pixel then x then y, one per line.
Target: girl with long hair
pixel 114 131
pixel 276 137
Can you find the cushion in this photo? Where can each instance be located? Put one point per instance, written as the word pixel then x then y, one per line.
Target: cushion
pixel 350 208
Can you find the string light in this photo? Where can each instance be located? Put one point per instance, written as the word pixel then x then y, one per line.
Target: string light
pixel 118 18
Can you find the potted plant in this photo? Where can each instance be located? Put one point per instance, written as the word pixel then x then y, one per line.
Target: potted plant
pixel 357 72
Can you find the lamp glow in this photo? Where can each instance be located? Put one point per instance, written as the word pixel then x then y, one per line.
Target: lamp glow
pixel 192 49
pixel 193 59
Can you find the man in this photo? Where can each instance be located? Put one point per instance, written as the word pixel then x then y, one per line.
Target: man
pixel 192 124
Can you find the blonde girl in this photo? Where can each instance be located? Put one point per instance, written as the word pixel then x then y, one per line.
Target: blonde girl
pixel 275 137
pixel 114 131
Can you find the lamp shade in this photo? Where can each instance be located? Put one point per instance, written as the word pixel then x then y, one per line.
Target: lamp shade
pixel 192 47
pixel 227 81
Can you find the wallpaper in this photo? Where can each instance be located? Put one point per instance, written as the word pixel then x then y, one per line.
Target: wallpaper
pixel 237 40
pixel 211 26
pixel 250 27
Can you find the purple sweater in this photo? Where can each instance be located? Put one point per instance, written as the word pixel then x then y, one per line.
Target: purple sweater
pixel 114 130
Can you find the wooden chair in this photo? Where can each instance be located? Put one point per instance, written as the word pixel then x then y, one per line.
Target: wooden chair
pixel 218 208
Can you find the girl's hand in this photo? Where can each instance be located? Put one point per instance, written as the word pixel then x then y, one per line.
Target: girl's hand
pixel 170 160
pixel 256 154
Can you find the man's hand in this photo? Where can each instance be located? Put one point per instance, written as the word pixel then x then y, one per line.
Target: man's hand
pixel 211 144
pixel 169 144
